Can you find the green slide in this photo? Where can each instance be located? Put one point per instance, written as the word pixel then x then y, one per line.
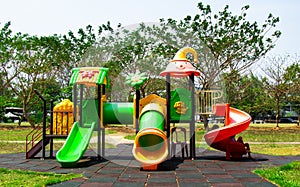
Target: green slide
pixel 80 135
pixel 75 145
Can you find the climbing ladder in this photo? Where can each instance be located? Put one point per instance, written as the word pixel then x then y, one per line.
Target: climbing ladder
pixel 41 136
pixel 35 141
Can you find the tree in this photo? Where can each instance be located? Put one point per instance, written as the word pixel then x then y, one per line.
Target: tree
pixel 247 93
pixel 126 51
pixel 5 94
pixel 34 57
pixel 224 42
pixel 72 48
pixel 31 62
pixel 292 77
pixel 275 84
pixel 8 65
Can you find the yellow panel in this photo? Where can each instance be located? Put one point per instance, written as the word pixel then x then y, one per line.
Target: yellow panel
pixel 153 99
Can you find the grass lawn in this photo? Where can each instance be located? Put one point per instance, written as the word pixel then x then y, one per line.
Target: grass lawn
pixel 30 178
pixel 13 132
pixel 13 137
pixel 255 133
pixel 286 175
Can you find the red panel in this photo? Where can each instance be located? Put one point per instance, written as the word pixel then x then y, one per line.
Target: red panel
pixel 219 109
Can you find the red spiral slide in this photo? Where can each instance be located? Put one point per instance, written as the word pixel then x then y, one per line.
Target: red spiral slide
pixel 236 121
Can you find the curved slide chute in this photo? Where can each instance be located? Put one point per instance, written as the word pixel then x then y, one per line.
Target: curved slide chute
pixel 220 138
pixel 75 145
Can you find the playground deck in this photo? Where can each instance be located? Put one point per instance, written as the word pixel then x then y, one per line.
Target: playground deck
pixel 119 168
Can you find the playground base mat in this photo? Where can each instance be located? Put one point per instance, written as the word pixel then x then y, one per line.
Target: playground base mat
pixel 118 168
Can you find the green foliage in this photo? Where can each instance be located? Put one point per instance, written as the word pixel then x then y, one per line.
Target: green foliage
pixel 232 35
pixel 274 83
pixel 37 117
pixel 30 178
pixel 130 137
pixel 286 175
pixel 7 100
pixel 225 43
pixel 292 78
pixel 43 63
pixel 247 92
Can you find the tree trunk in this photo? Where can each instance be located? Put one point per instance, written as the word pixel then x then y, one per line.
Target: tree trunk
pixel 27 117
pixel 205 116
pixel 20 121
pixel 277 113
pixel 143 92
pixel 205 121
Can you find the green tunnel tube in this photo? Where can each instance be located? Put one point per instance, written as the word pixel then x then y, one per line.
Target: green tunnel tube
pixel 150 145
pixel 118 113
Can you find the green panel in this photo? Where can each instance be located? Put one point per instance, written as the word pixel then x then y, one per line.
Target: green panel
pixel 89 111
pixel 184 95
pixel 118 113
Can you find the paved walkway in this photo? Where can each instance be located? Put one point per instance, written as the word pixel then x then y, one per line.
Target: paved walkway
pixel 120 169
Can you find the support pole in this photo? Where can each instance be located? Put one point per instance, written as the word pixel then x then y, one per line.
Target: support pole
pixel 168 115
pixel 75 102
pixel 103 129
pixel 103 142
pixel 99 90
pixel 137 109
pixel 51 129
pixel 44 122
pixel 81 105
pixel 192 123
pixel 227 114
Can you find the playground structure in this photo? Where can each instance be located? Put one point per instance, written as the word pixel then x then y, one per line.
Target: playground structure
pixel 151 116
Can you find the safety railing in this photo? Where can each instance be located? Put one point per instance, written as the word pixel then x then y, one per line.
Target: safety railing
pixel 33 138
pixel 205 101
pixel 62 122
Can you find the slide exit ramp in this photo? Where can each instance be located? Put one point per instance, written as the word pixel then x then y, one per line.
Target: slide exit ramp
pixel 75 145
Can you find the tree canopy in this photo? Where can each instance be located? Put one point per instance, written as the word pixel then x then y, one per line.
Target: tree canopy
pixel 227 45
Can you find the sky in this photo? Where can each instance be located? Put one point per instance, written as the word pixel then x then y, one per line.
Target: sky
pixel 47 17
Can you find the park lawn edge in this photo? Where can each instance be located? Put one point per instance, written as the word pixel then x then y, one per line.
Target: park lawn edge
pixel 17 177
pixel 285 175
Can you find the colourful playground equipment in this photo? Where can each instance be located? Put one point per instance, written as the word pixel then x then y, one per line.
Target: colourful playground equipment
pixel 63 118
pixel 151 115
pixel 222 139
